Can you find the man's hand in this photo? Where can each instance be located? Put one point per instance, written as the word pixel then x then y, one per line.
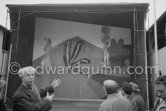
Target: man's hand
pixel 50 97
pixel 56 82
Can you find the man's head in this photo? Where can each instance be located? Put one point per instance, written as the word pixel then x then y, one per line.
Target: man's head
pixel 27 74
pixel 135 88
pixel 161 87
pixel 110 87
pixel 126 88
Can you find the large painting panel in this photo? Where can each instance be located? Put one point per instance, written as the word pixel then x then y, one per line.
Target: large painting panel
pixel 78 54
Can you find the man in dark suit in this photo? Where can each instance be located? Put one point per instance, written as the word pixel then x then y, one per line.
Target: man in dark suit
pixel 28 98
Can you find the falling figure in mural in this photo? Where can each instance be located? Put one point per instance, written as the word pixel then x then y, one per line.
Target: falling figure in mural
pixel 105 39
pixel 48 45
pixel 46 61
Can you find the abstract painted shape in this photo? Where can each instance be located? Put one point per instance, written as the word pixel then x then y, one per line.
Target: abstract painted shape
pixel 67 52
pixel 70 58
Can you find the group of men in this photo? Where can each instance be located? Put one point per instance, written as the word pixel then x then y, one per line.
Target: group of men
pixel 125 98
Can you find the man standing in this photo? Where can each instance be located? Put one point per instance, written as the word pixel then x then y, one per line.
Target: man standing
pixel 140 104
pixel 161 93
pixel 115 101
pixel 126 91
pixel 28 98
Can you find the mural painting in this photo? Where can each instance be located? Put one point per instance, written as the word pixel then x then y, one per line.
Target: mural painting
pixel 76 53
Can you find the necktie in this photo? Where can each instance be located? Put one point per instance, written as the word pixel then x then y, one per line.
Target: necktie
pixel 36 92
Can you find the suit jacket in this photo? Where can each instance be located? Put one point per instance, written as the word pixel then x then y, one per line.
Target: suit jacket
pixel 25 100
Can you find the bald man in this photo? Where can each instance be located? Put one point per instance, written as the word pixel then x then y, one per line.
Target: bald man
pixel 115 101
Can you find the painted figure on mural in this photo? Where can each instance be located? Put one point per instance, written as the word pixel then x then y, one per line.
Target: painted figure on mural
pixel 47 48
pixel 105 39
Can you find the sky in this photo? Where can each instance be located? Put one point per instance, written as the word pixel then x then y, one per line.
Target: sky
pixel 159 4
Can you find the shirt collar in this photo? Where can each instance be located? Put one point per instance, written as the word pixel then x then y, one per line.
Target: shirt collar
pixel 113 95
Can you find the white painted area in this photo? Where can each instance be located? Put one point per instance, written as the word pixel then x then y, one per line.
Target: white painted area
pixel 162 60
pixel 59 31
pixel 165 30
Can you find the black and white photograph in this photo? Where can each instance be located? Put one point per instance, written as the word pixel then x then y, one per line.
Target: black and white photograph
pixel 80 55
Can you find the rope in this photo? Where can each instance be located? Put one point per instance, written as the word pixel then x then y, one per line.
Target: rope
pixel 18 25
pixel 137 33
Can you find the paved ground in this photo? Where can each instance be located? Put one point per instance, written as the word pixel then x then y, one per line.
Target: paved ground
pixel 72 106
pixel 75 106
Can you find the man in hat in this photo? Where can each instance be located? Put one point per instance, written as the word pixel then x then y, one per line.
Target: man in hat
pixel 2 106
pixel 126 90
pixel 160 104
pixel 140 104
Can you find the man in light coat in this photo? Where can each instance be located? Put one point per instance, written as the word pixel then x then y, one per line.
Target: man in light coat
pixel 115 101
